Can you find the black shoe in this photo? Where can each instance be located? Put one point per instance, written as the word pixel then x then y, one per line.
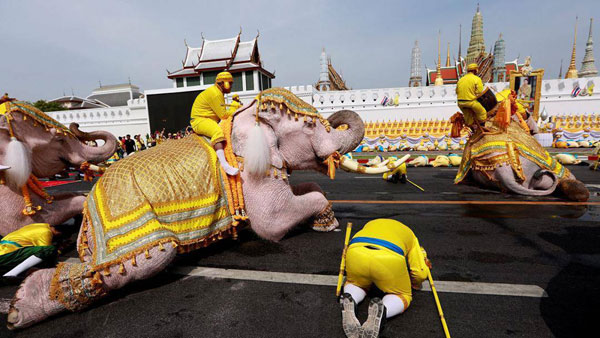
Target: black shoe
pixel 403 179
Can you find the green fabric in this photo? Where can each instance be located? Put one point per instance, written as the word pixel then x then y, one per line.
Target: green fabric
pixel 12 259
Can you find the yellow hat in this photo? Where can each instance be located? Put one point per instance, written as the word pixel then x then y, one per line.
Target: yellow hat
pixel 224 77
pixel 472 66
pixel 235 96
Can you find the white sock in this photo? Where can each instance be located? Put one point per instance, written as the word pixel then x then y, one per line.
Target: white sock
pixel 226 166
pixel 356 292
pixel 393 304
pixel 24 265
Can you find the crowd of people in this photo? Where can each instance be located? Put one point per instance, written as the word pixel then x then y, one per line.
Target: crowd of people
pixel 129 145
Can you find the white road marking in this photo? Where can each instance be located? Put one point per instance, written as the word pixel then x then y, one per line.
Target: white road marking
pixel 494 289
pixel 593 186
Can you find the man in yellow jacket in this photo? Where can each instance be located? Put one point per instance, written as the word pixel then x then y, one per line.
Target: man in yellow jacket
pixel 208 110
pixel 468 88
pixel 385 253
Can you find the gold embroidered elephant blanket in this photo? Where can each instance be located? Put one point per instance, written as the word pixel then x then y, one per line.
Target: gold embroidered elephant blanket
pixel 172 193
pixel 506 145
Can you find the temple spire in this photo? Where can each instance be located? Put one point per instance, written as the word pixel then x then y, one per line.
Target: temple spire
pixel 459 41
pixel 560 71
pixel 476 44
pixel 588 68
pixel 499 72
pixel 324 83
pixel 448 56
pixel 439 81
pixel 415 67
pixel 572 71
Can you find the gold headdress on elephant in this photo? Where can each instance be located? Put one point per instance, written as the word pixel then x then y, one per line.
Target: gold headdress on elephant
pixel 18 156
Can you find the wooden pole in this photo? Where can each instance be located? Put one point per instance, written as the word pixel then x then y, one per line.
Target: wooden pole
pixel 343 263
pixel 439 306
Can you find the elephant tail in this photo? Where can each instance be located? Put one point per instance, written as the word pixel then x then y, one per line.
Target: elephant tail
pixel 509 182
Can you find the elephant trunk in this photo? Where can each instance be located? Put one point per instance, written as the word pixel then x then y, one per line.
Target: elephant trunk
pixel 350 138
pixel 84 152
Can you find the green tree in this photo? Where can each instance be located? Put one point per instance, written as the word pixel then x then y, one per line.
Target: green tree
pixel 46 106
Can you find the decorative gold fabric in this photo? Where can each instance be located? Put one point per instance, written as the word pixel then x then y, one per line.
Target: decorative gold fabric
pixel 35 114
pixel 295 105
pixel 506 145
pixel 170 193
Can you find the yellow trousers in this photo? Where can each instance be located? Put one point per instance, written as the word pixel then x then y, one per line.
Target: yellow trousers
pixel 386 269
pixel 209 128
pixel 472 111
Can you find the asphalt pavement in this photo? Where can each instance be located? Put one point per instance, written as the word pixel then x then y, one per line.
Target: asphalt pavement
pixel 506 239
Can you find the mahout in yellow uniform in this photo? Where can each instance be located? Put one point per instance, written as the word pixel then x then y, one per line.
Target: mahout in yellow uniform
pixel 468 88
pixel 26 247
pixel 209 109
pixel 385 253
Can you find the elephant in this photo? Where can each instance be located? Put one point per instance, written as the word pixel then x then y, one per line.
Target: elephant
pixel 36 146
pixel 271 137
pixel 510 159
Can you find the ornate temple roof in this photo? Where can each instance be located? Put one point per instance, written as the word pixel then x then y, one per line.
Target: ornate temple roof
pixel 102 97
pixel 451 74
pixel 218 55
pixel 76 102
pixel 329 79
pixel 476 44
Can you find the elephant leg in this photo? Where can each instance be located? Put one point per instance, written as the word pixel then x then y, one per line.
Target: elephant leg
pixel 273 218
pixel 542 180
pixel 76 286
pixel 506 177
pixel 63 208
pixel 306 187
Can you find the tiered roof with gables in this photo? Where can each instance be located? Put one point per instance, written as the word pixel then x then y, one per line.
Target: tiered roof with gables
pixel 217 55
pixel 453 73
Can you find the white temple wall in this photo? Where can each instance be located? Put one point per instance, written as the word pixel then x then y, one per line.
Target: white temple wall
pixel 120 121
pixel 440 102
pixel 413 103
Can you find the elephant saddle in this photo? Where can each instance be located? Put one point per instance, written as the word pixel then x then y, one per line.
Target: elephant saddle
pixel 173 193
pixel 499 146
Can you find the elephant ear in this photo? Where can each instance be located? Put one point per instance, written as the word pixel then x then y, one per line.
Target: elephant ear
pixel 261 146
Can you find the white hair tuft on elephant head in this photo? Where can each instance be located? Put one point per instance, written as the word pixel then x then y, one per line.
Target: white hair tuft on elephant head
pixel 18 158
pixel 257 157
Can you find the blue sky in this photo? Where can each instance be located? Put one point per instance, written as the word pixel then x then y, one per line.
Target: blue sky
pixel 50 47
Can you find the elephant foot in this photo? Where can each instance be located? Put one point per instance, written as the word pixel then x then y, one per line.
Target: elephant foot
pixel 325 221
pixel 32 302
pixel 326 228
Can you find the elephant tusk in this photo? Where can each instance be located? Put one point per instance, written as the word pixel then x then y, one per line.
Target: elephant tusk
pixel 382 164
pixel 96 168
pixel 353 166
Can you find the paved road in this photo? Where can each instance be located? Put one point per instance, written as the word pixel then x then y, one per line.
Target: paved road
pixel 553 247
